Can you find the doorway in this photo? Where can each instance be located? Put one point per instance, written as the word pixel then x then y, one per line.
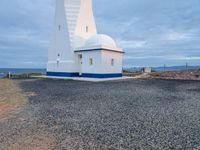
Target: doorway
pixel 80 63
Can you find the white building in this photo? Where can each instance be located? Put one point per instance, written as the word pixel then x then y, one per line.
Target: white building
pixel 76 48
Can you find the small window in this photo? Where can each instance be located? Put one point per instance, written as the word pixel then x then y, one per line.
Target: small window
pixel 87 29
pixel 91 61
pixel 112 62
pixel 59 27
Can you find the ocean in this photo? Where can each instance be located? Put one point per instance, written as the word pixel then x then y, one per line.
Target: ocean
pixel 5 71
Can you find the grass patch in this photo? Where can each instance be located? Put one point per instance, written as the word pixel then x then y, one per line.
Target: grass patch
pixel 132 74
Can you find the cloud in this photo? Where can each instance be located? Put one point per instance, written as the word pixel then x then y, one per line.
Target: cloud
pixel 168 57
pixel 24 30
pixel 151 32
pixel 188 58
pixel 174 36
pixel 131 44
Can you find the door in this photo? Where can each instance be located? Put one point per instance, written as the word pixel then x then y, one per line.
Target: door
pixel 80 58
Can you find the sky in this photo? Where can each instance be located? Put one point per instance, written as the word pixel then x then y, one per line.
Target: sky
pixel 151 32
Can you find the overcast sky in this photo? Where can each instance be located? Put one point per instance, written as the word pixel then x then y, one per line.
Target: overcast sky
pixel 152 32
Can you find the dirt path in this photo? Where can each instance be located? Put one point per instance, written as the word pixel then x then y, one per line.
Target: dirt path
pixel 13 101
pixel 11 98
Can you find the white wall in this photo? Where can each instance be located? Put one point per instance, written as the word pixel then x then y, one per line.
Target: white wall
pixel 96 67
pixel 72 16
pixel 85 19
pixel 60 43
pixel 102 62
pixel 107 56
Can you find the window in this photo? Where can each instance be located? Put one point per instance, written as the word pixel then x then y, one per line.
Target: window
pixel 87 29
pixel 58 60
pixel 91 61
pixel 80 59
pixel 59 27
pixel 112 62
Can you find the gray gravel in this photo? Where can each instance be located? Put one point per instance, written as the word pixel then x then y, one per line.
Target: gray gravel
pixel 144 114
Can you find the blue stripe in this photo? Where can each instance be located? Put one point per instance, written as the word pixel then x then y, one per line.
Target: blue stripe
pixel 92 75
pixel 87 75
pixel 63 74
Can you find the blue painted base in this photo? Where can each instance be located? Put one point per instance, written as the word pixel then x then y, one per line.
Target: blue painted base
pixel 63 74
pixel 87 75
pixel 92 75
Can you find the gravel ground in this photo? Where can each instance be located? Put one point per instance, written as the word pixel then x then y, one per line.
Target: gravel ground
pixel 146 114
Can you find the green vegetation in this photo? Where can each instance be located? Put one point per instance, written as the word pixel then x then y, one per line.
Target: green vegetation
pixel 14 76
pixel 132 74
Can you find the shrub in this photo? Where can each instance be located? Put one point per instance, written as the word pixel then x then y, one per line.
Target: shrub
pixel 18 76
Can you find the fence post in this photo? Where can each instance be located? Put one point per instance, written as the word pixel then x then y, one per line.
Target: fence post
pixel 164 68
pixel 186 66
pixel 9 75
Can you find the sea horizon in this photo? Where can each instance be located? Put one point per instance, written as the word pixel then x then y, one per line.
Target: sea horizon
pixel 169 66
pixel 5 71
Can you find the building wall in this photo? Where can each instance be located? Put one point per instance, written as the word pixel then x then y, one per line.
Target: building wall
pixel 102 62
pixel 107 56
pixel 96 67
pixel 74 24
pixel 71 19
pixel 86 26
pixel 60 39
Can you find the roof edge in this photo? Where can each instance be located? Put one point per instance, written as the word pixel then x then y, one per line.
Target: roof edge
pixel 99 49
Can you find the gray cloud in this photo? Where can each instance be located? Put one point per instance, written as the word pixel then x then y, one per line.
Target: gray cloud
pixel 152 32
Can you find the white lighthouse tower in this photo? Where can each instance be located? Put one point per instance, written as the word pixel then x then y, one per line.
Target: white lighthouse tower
pixel 76 48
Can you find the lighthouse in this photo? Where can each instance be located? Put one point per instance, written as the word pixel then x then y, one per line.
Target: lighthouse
pixel 76 49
